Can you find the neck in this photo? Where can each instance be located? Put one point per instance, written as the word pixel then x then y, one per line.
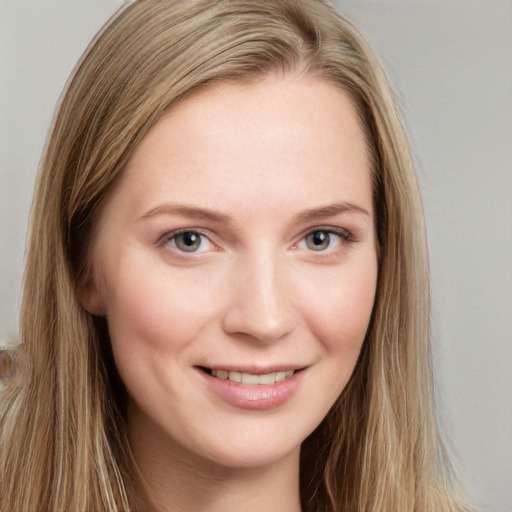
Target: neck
pixel 179 480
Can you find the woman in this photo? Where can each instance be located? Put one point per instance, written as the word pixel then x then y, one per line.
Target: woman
pixel 226 294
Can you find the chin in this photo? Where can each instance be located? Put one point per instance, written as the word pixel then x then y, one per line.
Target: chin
pixel 252 456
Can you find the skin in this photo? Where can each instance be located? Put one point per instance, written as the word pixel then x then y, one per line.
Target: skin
pixel 260 158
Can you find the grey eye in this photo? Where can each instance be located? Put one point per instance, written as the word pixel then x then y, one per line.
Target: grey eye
pixel 318 240
pixel 189 241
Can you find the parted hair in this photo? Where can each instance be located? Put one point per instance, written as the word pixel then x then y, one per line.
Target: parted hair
pixel 63 436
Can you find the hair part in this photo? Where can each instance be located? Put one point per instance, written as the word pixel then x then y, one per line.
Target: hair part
pixel 377 448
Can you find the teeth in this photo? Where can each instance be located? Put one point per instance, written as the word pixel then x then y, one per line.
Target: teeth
pixel 269 378
pixel 222 374
pixel 252 379
pixel 279 376
pixel 235 376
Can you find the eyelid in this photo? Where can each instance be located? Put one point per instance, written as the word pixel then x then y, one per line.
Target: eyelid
pixel 342 232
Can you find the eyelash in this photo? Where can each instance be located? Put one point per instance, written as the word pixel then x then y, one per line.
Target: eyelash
pixel 345 236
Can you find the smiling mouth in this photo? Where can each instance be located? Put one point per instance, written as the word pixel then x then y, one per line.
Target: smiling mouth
pixel 250 379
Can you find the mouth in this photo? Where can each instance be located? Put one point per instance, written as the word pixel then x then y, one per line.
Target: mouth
pixel 250 379
pixel 253 388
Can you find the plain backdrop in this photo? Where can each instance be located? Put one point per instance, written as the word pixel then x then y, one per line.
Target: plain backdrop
pixel 451 64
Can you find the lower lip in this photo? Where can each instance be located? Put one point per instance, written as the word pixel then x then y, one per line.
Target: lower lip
pixel 259 397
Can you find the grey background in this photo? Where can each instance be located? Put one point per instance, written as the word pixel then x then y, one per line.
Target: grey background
pixel 451 63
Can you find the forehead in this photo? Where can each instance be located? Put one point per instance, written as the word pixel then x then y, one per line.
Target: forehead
pixel 278 141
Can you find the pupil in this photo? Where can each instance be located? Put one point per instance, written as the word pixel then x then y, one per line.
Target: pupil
pixel 190 239
pixel 319 238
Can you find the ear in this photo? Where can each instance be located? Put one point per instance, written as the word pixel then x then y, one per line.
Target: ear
pixel 90 297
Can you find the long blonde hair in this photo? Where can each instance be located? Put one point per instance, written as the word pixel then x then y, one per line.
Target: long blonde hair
pixel 63 438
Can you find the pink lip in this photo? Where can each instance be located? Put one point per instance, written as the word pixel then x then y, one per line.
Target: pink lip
pixel 258 397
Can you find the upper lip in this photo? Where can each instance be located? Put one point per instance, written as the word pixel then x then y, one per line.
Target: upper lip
pixel 255 368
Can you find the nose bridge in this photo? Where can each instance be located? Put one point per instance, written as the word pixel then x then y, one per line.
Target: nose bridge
pixel 260 304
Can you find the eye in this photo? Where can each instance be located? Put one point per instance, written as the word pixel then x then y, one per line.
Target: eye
pixel 318 240
pixel 321 240
pixel 189 242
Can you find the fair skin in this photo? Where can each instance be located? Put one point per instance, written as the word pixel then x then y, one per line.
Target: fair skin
pixel 239 239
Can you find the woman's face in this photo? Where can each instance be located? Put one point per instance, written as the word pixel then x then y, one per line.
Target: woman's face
pixel 239 245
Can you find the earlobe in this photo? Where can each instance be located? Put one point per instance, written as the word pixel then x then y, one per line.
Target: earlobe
pixel 90 297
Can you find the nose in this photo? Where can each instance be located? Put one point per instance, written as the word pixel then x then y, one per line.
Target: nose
pixel 260 308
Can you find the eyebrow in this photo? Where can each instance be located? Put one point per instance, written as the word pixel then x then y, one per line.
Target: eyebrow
pixel 193 212
pixel 330 211
pixel 309 215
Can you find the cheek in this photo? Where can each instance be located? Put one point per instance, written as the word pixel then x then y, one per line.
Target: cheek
pixel 341 311
pixel 337 310
pixel 148 307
